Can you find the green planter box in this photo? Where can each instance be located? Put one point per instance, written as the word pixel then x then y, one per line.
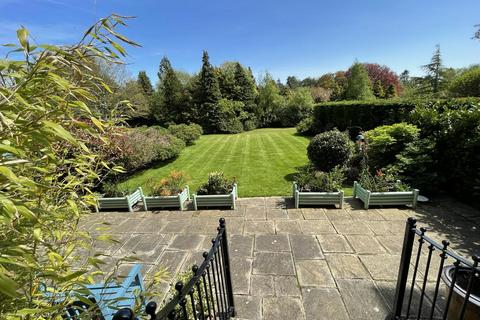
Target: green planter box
pixel 126 202
pixel 316 198
pixel 384 198
pixel 177 201
pixel 216 200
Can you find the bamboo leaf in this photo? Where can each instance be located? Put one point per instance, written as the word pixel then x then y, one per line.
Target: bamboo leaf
pixel 22 35
pixel 7 286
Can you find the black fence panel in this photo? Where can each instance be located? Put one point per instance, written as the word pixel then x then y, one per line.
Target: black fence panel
pixel 433 281
pixel 207 295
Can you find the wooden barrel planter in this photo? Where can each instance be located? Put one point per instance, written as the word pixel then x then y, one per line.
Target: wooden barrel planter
pixel 126 202
pixel 177 201
pixel 472 309
pixel 316 198
pixel 216 200
pixel 384 198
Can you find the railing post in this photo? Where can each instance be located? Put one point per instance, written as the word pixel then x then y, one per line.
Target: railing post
pixel 408 240
pixel 228 277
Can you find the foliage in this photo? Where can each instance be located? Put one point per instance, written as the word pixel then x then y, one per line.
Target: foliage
pixel 140 148
pixel 46 170
pixel 217 183
pixel 330 149
pixel 208 95
pixel 381 182
pixel 378 90
pixel 382 75
pixel 364 114
pixel 172 184
pixel 144 82
pixel 467 84
pixel 305 127
pixel 298 107
pixel 358 83
pixel 110 189
pixel 229 115
pixel 270 102
pixel 311 180
pixel 320 94
pixel 434 70
pixel 188 133
pixel 386 142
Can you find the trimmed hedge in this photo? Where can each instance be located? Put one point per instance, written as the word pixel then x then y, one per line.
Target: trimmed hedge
pixel 365 114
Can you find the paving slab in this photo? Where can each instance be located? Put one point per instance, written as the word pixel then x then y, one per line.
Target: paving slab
pixel 273 263
pixel 255 213
pixel 346 266
pixel 363 244
pixel 314 213
pixel 362 299
pixel 275 308
pixel 286 286
pixel 349 227
pixel 272 243
pixel 248 307
pixel 316 226
pixel 305 247
pixel 186 242
pixel 287 227
pixel 261 285
pixel 276 214
pixel 259 227
pixel 334 243
pixel 323 304
pixel 314 273
pixel 241 273
pixel 240 246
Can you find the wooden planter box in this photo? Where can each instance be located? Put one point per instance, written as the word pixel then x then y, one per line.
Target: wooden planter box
pixel 177 201
pixel 126 202
pixel 384 198
pixel 216 200
pixel 316 198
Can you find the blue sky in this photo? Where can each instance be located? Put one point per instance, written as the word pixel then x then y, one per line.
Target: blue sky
pixel 301 38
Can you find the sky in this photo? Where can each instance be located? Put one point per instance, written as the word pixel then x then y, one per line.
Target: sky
pixel 301 38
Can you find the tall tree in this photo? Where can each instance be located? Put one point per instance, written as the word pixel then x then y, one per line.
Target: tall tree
pixel 358 83
pixel 208 95
pixel 434 70
pixel 168 104
pixel 405 77
pixel 144 82
pixel 293 82
pixel 245 89
pixel 384 74
pixel 378 90
pixel 270 102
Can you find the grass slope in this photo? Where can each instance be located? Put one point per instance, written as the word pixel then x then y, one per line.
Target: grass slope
pixel 263 161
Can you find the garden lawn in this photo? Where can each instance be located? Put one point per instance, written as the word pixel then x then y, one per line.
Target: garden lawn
pixel 263 161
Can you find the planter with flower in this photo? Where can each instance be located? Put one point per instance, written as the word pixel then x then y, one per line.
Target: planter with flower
pixel 383 189
pixel 316 188
pixel 218 191
pixel 169 192
pixel 115 198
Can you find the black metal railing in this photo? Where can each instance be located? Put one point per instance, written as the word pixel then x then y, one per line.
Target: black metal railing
pixel 207 295
pixel 433 282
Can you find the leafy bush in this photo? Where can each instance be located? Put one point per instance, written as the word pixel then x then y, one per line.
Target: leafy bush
pixel 381 182
pixel 229 116
pixel 217 184
pixel 142 147
pixel 305 127
pixel 299 106
pixel 386 142
pixel 250 124
pixel 467 84
pixel 111 189
pixel 330 149
pixel 311 180
pixel 187 132
pixel 171 185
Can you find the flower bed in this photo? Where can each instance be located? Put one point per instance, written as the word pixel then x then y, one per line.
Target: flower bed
pixel 216 200
pixel 316 198
pixel 177 201
pixel 126 202
pixel 384 198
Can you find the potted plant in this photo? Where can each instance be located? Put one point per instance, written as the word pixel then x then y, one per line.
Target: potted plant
pixel 115 197
pixel 169 192
pixel 383 189
pixel 472 309
pixel 218 191
pixel 315 187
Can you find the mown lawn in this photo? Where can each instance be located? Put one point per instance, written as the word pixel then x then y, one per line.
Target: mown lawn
pixel 263 161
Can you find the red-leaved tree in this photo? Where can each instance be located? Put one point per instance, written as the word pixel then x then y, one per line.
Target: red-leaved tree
pixel 384 74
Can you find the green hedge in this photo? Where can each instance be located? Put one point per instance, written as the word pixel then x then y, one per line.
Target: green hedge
pixel 365 114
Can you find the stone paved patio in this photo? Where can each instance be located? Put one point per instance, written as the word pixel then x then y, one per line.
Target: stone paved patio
pixel 321 263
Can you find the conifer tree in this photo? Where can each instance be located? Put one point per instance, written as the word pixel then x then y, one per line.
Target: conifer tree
pixel 245 90
pixel 391 92
pixel 358 84
pixel 434 70
pixel 378 89
pixel 144 82
pixel 168 104
pixel 208 95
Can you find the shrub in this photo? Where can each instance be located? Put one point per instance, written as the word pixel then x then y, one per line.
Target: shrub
pixel 250 124
pixel 305 127
pixel 330 149
pixel 171 185
pixel 187 132
pixel 467 84
pixel 358 83
pixel 299 106
pixel 386 142
pixel 381 182
pixel 217 184
pixel 311 180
